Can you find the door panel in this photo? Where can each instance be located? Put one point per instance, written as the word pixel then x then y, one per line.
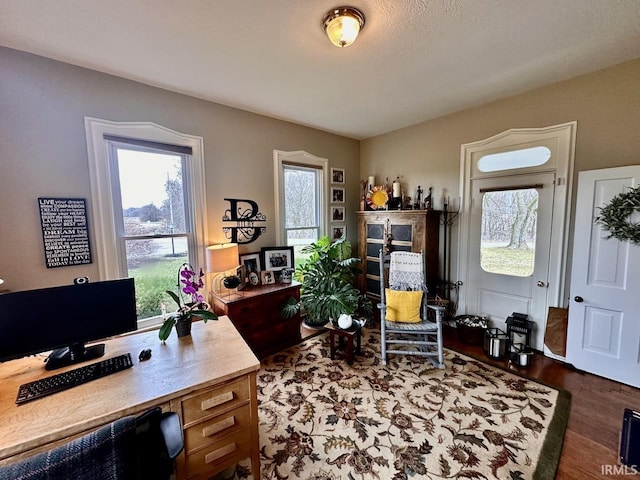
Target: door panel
pixel 499 290
pixel 495 304
pixel 604 319
pixel 602 331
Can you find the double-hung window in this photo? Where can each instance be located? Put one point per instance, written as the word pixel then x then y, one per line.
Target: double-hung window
pixel 301 186
pixel 148 200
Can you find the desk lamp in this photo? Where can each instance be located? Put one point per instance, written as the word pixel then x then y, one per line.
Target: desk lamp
pixel 220 259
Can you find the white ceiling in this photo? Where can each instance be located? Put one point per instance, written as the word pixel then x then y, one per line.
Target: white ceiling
pixel 414 60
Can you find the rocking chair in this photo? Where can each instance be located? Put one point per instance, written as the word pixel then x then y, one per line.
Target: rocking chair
pixel 404 326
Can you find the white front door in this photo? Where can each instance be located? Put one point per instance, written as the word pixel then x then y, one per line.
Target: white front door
pixel 519 179
pixel 510 232
pixel 604 314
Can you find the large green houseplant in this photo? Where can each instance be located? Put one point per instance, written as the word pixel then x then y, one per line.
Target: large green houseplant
pixel 327 289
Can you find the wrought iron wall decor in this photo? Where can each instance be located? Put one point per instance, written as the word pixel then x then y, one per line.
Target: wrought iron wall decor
pixel 245 213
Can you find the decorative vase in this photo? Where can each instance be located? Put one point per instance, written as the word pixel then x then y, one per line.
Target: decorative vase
pixel 183 326
pixel 345 321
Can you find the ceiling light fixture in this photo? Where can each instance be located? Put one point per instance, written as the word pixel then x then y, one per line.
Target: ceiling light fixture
pixel 342 25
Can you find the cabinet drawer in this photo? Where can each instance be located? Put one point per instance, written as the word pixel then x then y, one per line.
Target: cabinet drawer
pixel 237 447
pixel 215 400
pixel 258 311
pixel 210 431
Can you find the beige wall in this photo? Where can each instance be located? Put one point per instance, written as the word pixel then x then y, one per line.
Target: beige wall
pixel 606 105
pixel 43 153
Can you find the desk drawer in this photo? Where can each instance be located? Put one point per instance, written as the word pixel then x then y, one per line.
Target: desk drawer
pixel 212 430
pixel 215 400
pixel 236 447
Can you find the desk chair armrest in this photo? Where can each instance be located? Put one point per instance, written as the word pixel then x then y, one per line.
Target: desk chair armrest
pixel 172 433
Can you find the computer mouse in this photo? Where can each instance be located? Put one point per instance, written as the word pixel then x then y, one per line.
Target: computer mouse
pixel 145 354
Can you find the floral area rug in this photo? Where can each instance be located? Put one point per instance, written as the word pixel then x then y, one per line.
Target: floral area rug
pixel 323 419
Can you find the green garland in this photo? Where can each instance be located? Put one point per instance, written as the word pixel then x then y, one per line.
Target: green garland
pixel 615 216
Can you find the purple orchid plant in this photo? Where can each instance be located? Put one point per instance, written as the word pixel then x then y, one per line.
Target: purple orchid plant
pixel 189 284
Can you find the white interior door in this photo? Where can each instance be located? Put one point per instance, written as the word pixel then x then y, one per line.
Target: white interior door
pixel 509 239
pixel 604 315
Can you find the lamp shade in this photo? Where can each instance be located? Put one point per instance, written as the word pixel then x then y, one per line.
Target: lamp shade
pixel 222 257
pixel 342 25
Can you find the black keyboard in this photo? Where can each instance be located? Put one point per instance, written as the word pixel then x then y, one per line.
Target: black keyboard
pixel 72 378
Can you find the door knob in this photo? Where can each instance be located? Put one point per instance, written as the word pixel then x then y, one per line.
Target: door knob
pixel 578 299
pixel 540 283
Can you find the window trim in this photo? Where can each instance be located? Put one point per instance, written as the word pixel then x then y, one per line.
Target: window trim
pixel 107 250
pixel 304 159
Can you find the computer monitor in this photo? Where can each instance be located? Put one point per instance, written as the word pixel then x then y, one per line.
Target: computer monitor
pixel 64 318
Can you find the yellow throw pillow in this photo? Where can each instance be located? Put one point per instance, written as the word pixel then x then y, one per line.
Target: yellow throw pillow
pixel 403 306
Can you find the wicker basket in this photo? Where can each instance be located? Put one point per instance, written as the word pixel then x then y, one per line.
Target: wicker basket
pixel 469 334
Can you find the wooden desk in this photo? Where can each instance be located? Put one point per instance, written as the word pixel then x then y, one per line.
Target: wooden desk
pixel 209 379
pixel 256 314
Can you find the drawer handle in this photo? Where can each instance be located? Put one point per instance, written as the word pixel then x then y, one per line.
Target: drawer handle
pixel 219 426
pixel 221 452
pixel 215 401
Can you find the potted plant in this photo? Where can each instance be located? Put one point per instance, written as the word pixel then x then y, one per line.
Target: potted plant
pixel 327 289
pixel 188 284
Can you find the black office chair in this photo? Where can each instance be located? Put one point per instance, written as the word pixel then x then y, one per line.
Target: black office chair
pixel 136 448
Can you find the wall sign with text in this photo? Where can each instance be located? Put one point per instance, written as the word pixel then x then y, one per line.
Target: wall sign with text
pixel 65 231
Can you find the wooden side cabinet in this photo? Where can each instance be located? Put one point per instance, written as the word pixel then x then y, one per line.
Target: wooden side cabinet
pixel 255 312
pixel 408 230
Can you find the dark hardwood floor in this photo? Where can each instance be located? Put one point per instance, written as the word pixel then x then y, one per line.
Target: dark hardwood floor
pixel 592 438
pixel 591 441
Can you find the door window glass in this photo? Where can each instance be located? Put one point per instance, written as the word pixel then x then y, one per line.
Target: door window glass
pixel 508 238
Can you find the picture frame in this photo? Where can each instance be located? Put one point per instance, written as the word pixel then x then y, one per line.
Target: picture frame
pixel 241 273
pixel 267 277
pixel 254 279
pixel 337 195
pixel 337 176
pixel 251 263
pixel 277 258
pixel 338 232
pixel 337 214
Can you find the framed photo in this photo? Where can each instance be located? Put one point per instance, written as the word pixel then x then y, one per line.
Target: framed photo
pixel 337 214
pixel 254 279
pixel 268 277
pixel 241 273
pixel 251 263
pixel 277 258
pixel 337 176
pixel 337 195
pixel 338 232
